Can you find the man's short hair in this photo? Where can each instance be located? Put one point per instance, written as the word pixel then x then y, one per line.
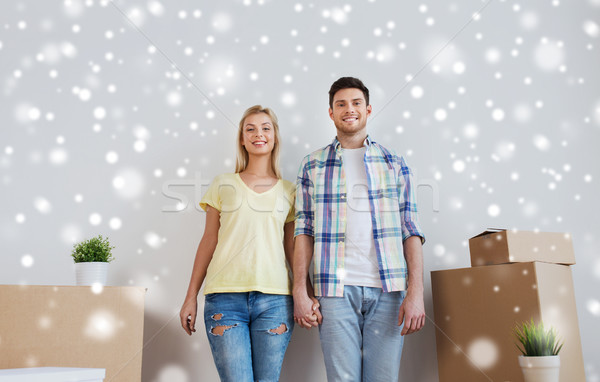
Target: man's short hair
pixel 347 83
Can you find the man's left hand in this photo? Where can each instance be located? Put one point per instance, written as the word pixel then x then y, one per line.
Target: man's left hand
pixel 412 313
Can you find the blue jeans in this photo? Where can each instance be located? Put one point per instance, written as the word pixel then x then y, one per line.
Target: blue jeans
pixel 248 334
pixel 360 336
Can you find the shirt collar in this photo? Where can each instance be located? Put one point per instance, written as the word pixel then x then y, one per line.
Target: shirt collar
pixel 337 145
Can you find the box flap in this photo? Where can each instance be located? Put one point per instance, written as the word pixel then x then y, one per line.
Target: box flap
pixel 488 231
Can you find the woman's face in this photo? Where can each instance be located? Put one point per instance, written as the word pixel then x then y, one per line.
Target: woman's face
pixel 258 136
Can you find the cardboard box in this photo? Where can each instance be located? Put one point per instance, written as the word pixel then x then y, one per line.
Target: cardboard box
pixel 68 326
pixel 476 308
pixel 52 374
pixel 503 246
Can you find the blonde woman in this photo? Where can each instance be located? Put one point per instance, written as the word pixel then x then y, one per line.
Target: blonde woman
pixel 248 309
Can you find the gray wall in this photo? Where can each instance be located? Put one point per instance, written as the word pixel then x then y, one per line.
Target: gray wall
pixel 105 105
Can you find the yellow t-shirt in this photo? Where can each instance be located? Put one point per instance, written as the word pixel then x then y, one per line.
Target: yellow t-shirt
pixel 249 255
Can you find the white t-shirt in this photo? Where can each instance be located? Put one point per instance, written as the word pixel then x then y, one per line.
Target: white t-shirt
pixel 360 259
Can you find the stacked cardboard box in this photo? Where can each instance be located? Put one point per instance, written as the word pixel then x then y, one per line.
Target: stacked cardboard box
pixel 514 276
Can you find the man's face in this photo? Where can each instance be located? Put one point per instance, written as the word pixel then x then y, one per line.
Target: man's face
pixel 350 111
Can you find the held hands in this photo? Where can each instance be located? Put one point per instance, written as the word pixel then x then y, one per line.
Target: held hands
pixel 412 313
pixel 188 314
pixel 306 311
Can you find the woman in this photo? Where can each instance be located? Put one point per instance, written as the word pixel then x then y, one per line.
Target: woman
pixel 248 309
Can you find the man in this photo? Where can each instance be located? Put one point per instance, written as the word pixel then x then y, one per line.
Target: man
pixel 355 218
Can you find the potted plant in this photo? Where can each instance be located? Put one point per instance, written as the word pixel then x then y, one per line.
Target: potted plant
pixel 540 361
pixel 91 261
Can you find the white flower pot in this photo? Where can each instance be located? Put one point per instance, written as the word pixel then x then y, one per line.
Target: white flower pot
pixel 93 273
pixel 540 369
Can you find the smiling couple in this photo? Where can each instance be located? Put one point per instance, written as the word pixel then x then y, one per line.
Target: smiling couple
pixel 352 214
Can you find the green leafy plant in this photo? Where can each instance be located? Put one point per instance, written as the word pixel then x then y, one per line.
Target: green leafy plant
pixel 536 340
pixel 96 249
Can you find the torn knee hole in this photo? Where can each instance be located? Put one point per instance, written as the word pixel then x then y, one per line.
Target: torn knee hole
pixel 279 330
pixel 217 316
pixel 219 330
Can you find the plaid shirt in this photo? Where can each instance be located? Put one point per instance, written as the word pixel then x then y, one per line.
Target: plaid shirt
pixel 321 213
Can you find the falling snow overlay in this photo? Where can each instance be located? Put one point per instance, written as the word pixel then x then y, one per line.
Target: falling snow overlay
pixel 116 116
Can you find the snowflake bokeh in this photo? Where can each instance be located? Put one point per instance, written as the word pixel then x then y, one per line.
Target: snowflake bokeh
pixel 117 114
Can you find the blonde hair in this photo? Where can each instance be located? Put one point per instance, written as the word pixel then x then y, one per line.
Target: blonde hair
pixel 242 153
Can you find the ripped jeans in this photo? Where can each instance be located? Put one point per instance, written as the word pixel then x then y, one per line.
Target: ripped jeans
pixel 248 334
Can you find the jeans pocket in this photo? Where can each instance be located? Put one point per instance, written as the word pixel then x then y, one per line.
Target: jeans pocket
pixel 209 296
pixel 210 300
pixel 402 296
